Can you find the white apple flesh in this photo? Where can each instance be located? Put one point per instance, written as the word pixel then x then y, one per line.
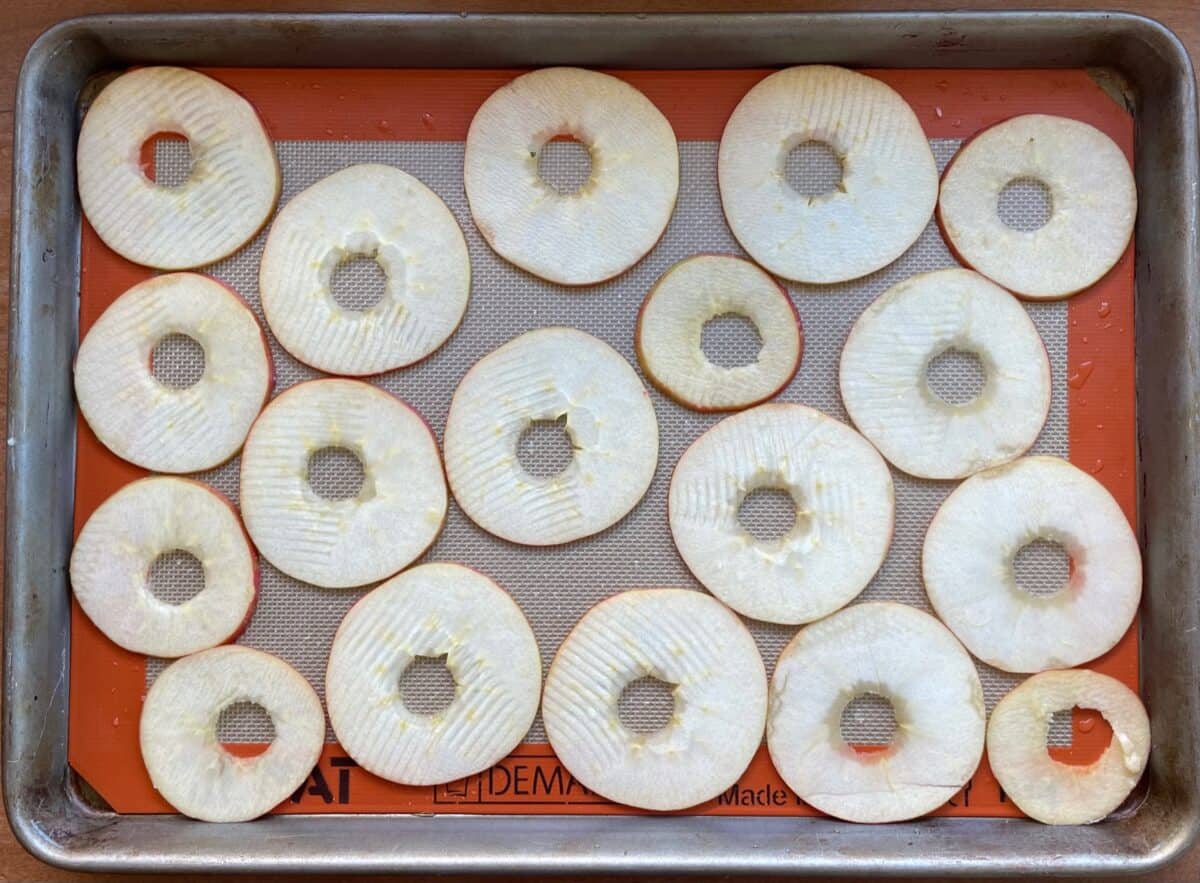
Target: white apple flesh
pixel 229 195
pixel 180 747
pixel 111 561
pixel 1059 793
pixel 889 179
pixel 152 424
pixel 968 556
pixel 685 639
pixel 610 223
pixel 883 381
pixel 375 211
pixel 844 503
pixel 671 324
pixel 546 375
pixel 1093 201
pixel 905 656
pixel 430 611
pixel 395 516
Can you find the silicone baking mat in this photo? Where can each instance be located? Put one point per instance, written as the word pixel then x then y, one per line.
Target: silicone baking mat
pixel 324 120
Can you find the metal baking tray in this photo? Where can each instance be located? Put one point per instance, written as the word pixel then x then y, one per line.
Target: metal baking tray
pixel 1143 65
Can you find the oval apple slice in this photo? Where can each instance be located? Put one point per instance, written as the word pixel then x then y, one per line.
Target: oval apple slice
pixel 888 185
pixel 231 190
pixel 393 515
pixel 907 657
pixel 178 734
pixel 975 537
pixel 551 374
pixel 1058 793
pixel 378 212
pixel 844 510
pixel 886 392
pixel 149 422
pixel 1093 202
pixel 671 324
pixel 430 611
pixel 687 640
pixel 121 540
pixel 612 221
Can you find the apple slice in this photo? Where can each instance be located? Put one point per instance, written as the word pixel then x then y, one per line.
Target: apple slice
pixel 685 639
pixel 889 178
pixel 111 561
pixel 885 391
pixel 339 543
pixel 550 374
pixel 907 657
pixel 844 502
pixel 234 181
pixel 1093 205
pixel 433 610
pixel 672 320
pixel 383 213
pixel 1058 793
pixel 611 222
pixel 978 531
pixel 187 764
pixel 165 428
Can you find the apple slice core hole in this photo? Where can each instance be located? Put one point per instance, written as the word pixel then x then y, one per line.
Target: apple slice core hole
pixel 1042 568
pixel 868 723
pixel 167 159
pixel 812 168
pixel 427 685
pixel 1025 204
pixel 731 340
pixel 177 361
pixel 1077 736
pixel 956 376
pixel 358 283
pixel 545 449
pixel 769 514
pixel 176 577
pixel 245 729
pixel 565 164
pixel 646 705
pixel 336 473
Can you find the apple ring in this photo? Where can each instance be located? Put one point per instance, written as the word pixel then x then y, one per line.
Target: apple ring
pixel 1093 204
pixel 1058 793
pixel 384 213
pixel 433 610
pixel 550 374
pixel 909 658
pixel 234 182
pixel 615 219
pixel 844 501
pixel 976 534
pixel 178 734
pixel 111 562
pixel 671 322
pixel 165 428
pixel 395 516
pixel 885 391
pixel 889 179
pixel 683 638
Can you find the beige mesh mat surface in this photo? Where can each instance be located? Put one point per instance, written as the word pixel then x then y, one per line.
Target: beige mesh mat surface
pixel 554 586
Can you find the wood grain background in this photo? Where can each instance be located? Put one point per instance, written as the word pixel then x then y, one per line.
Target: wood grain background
pixel 23 20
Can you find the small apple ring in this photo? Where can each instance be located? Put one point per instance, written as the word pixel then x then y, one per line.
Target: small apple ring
pixel 111 561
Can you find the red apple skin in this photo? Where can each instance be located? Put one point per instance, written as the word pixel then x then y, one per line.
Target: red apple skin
pixel 671 394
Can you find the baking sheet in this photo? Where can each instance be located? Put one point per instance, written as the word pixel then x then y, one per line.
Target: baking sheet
pixel 555 586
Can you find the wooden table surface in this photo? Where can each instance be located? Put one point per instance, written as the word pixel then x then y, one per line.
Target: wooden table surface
pixel 25 19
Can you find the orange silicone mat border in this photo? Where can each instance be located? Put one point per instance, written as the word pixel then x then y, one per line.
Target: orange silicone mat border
pixel 107 683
